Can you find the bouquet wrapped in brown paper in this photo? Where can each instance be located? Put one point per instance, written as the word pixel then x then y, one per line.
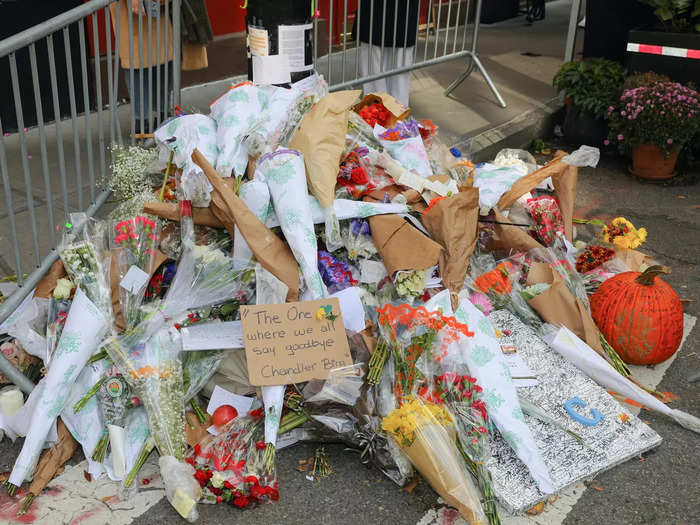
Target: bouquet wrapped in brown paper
pixel 396 109
pixel 269 250
pixel 564 178
pixel 322 152
pixel 510 238
pixel 401 246
pixel 453 222
pixel 427 434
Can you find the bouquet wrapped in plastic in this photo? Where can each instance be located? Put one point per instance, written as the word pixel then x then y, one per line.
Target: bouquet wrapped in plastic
pixel 235 111
pixel 547 217
pixel 88 319
pixel 495 286
pixel 181 136
pixel 268 130
pixel 426 433
pixel 59 306
pixel 138 239
pixel 404 143
pixel 231 467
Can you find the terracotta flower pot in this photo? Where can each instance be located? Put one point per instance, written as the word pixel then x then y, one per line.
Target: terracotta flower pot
pixel 650 162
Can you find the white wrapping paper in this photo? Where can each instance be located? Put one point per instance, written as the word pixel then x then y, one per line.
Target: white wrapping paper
pixel 577 352
pixel 270 290
pixel 82 332
pixel 182 135
pixel 484 358
pixel 344 209
pixel 409 152
pixel 256 195
pixel 286 178
pixel 235 112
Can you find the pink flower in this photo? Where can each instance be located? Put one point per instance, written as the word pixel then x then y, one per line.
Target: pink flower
pixel 620 136
pixel 606 142
pixel 669 141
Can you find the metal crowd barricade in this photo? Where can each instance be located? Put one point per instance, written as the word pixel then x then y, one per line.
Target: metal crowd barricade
pixel 447 30
pixel 33 157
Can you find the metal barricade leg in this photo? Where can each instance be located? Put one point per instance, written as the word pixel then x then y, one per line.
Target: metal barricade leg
pixel 475 62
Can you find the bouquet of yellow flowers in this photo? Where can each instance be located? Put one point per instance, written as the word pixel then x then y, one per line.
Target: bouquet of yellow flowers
pixel 426 432
pixel 622 233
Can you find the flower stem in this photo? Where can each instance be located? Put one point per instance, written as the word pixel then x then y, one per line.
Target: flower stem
pixel 101 448
pixel 269 456
pixel 616 361
pixel 102 354
pixel 201 416
pixel 146 449
pixel 292 420
pixel 377 362
pixel 483 477
pixel 161 195
pixel 80 404
pixel 26 503
pixel 11 488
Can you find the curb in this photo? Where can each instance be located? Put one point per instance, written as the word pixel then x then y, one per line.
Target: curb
pixel 516 133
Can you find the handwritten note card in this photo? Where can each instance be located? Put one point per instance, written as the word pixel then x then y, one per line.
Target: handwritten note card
pixel 288 343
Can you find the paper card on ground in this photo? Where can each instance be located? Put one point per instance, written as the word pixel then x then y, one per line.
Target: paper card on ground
pixel 271 69
pixel 351 309
pixel 221 396
pixel 215 335
pixel 289 343
pixel 134 280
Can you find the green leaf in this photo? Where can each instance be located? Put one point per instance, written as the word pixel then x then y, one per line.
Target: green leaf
pixel 664 13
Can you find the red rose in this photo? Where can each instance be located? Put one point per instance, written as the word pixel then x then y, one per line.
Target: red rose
pixel 241 502
pixel 251 479
pixel 260 445
pixel 359 176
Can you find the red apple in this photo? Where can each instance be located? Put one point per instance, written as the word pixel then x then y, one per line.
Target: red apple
pixel 223 415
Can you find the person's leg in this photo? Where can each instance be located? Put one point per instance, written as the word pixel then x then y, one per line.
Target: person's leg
pixel 399 85
pixel 370 64
pixel 134 94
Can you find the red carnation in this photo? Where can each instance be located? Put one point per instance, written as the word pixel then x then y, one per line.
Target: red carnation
pixel 241 502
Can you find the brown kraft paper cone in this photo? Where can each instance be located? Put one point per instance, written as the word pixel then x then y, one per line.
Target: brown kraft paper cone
pixel 269 250
pixel 169 210
pixel 511 238
pixel 48 282
pixel 114 280
pixel 401 246
pixel 558 306
pixel 397 109
pixel 453 222
pixel 439 468
pixel 322 151
pixel 53 458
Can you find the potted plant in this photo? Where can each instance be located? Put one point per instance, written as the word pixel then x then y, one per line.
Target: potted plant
pixel 673 45
pixel 654 122
pixel 589 87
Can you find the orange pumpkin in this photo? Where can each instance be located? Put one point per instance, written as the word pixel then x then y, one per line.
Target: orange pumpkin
pixel 640 316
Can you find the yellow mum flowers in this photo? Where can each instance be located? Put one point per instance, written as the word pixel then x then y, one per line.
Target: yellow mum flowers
pixel 622 234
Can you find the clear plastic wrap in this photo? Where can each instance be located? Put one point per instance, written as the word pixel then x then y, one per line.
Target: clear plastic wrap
pixel 136 240
pixel 495 286
pixel 231 467
pixel 427 433
pixel 181 489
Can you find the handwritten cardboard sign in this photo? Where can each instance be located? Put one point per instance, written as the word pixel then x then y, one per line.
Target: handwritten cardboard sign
pixel 288 343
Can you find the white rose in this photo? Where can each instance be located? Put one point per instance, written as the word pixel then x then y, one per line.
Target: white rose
pixel 217 479
pixel 63 289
